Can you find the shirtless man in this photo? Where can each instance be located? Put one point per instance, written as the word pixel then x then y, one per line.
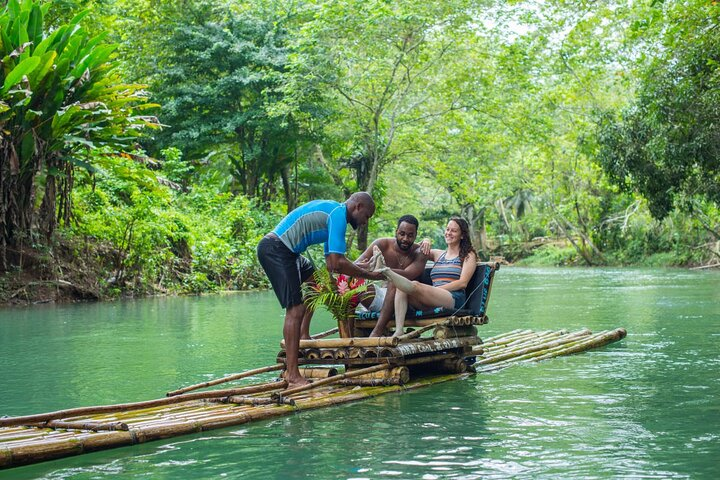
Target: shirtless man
pixel 404 257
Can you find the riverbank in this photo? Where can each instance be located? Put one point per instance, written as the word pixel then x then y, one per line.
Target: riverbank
pixel 69 272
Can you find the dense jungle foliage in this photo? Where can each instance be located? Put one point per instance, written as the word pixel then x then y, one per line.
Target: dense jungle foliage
pixel 147 145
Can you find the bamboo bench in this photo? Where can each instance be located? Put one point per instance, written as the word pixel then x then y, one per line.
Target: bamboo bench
pixel 473 312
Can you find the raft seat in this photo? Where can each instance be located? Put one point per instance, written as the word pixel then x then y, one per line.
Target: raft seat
pixel 472 313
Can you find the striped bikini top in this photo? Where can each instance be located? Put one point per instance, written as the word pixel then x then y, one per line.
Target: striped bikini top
pixel 446 271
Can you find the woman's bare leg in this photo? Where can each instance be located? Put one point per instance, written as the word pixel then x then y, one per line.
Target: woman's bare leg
pixel 419 293
pixel 400 282
pixel 401 306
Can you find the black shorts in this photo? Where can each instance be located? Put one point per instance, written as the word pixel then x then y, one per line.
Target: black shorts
pixel 286 269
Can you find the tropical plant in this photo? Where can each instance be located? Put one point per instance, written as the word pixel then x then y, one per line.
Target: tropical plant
pixel 59 100
pixel 339 296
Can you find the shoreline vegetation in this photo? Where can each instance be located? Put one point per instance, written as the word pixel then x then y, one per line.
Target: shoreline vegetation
pixel 146 147
pixel 68 278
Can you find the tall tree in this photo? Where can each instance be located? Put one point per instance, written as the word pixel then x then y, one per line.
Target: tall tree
pixel 218 79
pixel 667 144
pixel 60 97
pixel 381 65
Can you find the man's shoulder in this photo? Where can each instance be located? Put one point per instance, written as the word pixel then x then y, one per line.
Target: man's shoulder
pixel 416 253
pixel 384 243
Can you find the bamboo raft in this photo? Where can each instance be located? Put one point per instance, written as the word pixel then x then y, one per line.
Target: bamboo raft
pixel 413 362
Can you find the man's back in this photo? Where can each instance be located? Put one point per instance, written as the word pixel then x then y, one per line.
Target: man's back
pixel 319 221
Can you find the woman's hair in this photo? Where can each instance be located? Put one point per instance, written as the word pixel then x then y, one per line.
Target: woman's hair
pixel 465 242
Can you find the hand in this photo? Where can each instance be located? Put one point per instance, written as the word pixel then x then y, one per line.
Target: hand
pixel 376 276
pixel 364 264
pixel 425 246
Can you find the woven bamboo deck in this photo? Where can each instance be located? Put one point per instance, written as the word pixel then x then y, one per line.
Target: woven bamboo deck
pixel 37 438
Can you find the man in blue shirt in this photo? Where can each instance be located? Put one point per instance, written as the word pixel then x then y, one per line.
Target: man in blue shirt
pixel 279 252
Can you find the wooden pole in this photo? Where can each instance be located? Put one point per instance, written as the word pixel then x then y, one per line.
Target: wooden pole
pixel 523 350
pixel 89 425
pixel 335 379
pixel 247 400
pixel 442 332
pixel 418 332
pixel 229 378
pixel 74 412
pixel 324 334
pixel 318 372
pixel 580 344
pixel 347 342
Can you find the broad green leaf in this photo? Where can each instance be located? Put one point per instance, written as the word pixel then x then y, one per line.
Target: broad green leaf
pixel 35 26
pixel 38 75
pixel 17 73
pixel 13 8
pixel 49 40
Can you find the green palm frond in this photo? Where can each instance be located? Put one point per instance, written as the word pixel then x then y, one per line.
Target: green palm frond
pixel 324 293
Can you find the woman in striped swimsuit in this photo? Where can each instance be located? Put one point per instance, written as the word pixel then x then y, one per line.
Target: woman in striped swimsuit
pixel 454 267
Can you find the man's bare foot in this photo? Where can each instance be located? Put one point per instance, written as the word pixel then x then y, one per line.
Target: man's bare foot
pixel 294 380
pixel 297 383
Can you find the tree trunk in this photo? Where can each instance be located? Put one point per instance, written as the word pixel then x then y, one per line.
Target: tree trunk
pixel 476 222
pixel 290 199
pixel 364 172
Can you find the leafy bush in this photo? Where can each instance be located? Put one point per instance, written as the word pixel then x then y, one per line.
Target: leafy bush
pixel 550 255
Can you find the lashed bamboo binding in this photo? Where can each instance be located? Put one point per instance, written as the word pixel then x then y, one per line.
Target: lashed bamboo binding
pixel 438 350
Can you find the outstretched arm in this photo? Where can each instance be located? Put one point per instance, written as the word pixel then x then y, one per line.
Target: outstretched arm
pixel 337 263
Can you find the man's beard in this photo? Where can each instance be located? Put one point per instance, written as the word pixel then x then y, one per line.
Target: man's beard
pixel 404 249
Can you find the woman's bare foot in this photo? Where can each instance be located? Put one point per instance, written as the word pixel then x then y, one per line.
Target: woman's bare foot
pixel 379 260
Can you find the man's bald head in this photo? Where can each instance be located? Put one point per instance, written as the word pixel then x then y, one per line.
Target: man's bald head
pixel 360 207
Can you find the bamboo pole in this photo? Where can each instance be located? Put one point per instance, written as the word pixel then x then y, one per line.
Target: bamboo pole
pixel 506 334
pixel 347 342
pixel 254 401
pixel 402 373
pixel 312 353
pixel 505 339
pixel 324 334
pixel 581 344
pixel 74 412
pixel 441 332
pixel 523 350
pixel 373 382
pixel 430 345
pixel 335 379
pixel 318 372
pixel 418 332
pixel 89 425
pixel 600 340
pixel 229 378
pixel 534 340
pixel 525 336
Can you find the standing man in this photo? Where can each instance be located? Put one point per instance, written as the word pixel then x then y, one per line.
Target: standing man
pixel 319 221
pixel 404 257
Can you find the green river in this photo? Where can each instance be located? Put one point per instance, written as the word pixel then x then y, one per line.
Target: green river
pixel 646 407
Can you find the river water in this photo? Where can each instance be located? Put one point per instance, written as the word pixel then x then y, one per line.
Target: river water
pixel 646 407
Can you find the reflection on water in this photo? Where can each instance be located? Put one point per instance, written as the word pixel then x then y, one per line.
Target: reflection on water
pixel 646 407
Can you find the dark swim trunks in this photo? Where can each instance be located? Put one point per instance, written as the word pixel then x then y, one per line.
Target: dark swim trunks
pixel 285 269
